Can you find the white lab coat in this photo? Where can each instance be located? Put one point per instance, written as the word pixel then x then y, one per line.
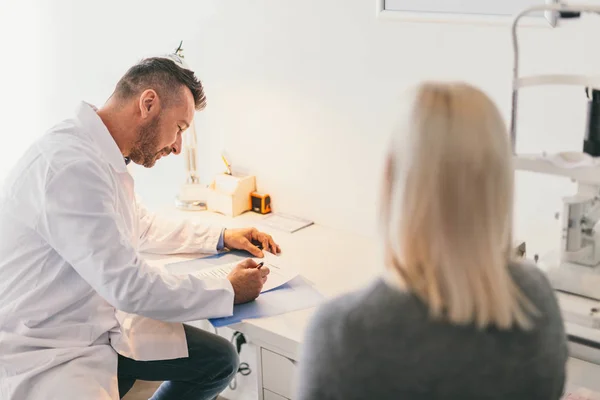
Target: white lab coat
pixel 71 234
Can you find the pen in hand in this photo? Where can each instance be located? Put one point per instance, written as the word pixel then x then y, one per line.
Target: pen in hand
pixel 260 264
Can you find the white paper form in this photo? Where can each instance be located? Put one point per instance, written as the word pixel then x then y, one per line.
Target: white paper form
pixel 279 275
pixel 286 223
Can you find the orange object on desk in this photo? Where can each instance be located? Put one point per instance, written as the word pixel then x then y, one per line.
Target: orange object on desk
pixel 260 203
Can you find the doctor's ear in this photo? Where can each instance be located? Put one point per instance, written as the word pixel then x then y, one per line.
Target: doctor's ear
pixel 148 102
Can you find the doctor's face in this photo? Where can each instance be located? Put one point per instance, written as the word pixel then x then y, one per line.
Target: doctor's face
pixel 161 134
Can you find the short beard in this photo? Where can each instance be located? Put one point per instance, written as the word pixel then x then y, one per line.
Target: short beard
pixel 144 150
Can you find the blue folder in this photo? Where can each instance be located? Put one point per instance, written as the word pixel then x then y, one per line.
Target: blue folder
pixel 297 294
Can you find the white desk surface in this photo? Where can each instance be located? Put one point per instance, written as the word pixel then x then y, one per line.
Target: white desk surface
pixel 335 261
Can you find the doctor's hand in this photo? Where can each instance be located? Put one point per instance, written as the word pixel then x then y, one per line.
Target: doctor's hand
pixel 247 238
pixel 247 280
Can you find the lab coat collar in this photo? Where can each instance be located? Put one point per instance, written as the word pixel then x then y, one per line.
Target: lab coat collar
pixel 87 115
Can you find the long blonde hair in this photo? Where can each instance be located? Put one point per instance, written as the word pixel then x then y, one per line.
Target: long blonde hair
pixel 447 208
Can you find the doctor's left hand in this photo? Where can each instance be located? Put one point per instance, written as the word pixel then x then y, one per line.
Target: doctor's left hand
pixel 244 239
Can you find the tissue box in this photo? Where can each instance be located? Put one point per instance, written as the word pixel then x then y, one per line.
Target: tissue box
pixel 230 195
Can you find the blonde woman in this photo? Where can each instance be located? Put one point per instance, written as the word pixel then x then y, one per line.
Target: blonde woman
pixel 455 317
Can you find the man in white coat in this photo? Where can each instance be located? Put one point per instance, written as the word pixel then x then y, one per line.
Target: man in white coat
pixel 82 315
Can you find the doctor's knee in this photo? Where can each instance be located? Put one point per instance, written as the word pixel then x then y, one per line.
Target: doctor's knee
pixel 230 361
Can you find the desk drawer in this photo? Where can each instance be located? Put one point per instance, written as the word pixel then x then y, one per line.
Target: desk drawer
pixel 278 373
pixel 267 395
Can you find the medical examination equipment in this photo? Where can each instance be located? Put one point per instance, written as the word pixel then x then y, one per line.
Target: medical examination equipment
pixel 591 144
pixel 192 195
pixel 576 269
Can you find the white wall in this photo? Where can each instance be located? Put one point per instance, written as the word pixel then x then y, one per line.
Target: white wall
pixel 303 93
pixel 21 77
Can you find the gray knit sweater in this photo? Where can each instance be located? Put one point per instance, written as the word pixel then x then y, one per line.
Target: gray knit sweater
pixel 379 343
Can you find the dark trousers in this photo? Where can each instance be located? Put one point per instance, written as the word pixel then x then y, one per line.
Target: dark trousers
pixel 211 365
